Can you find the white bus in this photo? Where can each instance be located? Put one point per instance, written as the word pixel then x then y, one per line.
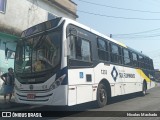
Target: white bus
pixel 62 62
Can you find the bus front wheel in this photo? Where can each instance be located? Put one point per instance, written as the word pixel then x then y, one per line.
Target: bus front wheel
pixel 101 95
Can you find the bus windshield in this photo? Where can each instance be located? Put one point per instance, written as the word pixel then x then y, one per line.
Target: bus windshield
pixel 38 54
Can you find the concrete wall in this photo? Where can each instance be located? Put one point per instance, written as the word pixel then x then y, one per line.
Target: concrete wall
pixel 67 4
pixel 50 7
pixel 21 14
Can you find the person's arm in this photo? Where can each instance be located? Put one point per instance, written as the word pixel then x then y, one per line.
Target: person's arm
pixel 3 76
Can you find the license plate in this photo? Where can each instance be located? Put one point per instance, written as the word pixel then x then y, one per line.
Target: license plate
pixel 30 96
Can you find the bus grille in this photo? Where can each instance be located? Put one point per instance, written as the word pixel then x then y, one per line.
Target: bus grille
pixel 37 98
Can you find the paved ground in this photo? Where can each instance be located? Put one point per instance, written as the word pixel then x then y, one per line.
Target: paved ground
pixel 129 103
pixel 12 106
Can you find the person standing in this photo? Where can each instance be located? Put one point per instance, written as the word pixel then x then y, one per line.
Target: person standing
pixel 8 79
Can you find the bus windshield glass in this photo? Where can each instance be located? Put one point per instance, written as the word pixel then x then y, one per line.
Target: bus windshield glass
pixel 38 53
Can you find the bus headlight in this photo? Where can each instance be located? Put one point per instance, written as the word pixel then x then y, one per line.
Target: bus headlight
pixel 18 87
pixel 57 82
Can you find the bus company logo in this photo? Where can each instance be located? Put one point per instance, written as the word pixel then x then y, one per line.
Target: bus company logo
pixel 114 74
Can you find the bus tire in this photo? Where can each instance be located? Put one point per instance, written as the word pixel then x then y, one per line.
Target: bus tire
pixel 101 95
pixel 144 89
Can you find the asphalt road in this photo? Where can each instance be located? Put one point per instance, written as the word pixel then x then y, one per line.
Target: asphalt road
pixel 117 107
pixel 130 103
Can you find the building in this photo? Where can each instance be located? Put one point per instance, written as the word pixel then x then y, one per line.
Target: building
pixel 18 15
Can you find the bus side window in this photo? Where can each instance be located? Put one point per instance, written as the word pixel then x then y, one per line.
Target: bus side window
pixel 135 60
pixel 78 44
pixel 151 64
pixel 126 57
pixel 80 49
pixel 114 53
pixel 85 50
pixel 141 61
pixel 146 63
pixel 120 55
pixel 103 49
pixel 152 68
